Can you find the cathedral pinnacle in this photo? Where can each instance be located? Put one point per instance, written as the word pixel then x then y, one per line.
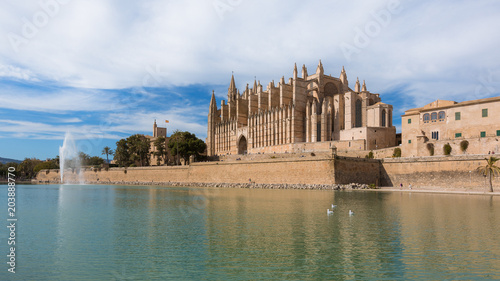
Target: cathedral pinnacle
pixel 295 71
pixel 320 68
pixel 343 78
pixel 364 86
pixel 356 88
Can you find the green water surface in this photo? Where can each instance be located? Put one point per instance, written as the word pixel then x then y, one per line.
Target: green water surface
pixel 99 232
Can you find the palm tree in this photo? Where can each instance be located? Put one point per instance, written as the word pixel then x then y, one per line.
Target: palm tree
pixel 108 151
pixel 490 169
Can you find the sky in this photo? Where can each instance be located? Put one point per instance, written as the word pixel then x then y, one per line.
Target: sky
pixel 106 69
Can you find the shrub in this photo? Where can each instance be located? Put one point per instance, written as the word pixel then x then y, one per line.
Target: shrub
pixel 464 145
pixel 370 155
pixel 373 186
pixel 313 154
pixel 430 147
pixel 397 152
pixel 447 149
pixel 125 171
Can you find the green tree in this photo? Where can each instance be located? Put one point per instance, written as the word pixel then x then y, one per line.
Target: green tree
pixel 490 169
pixel 107 151
pixel 370 155
pixel 51 164
pixel 95 161
pixel 27 168
pixel 139 147
pixel 397 152
pixel 464 145
pixel 161 150
pixel 447 149
pixel 185 144
pixel 4 169
pixel 122 154
pixel 84 158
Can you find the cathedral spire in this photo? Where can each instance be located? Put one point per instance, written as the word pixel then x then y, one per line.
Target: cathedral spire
pixel 255 86
pixel 231 92
pixel 213 104
pixel 356 88
pixel 232 85
pixel 364 87
pixel 295 71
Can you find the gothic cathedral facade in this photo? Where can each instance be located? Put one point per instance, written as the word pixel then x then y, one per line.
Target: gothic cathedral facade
pixel 309 113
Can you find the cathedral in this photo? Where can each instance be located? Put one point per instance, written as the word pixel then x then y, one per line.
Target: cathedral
pixel 308 113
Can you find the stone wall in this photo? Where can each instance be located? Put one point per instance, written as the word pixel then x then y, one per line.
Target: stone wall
pixel 354 170
pixel 307 171
pixel 457 172
pixel 452 172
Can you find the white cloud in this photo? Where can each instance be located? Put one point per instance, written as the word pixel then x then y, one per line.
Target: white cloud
pixel 437 49
pixel 58 101
pixel 17 73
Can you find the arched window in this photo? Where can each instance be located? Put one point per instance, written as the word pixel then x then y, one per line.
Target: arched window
pixel 427 117
pixel 434 116
pixel 441 115
pixel 383 118
pixel 330 89
pixel 358 114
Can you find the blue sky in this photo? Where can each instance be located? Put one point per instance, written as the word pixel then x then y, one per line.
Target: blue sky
pixel 105 69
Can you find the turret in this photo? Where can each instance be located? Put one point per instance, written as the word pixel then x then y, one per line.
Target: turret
pixel 364 87
pixel 154 130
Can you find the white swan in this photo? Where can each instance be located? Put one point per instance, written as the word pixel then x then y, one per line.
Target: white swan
pixel 328 212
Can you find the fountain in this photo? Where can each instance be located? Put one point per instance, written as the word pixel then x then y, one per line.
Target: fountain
pixel 68 157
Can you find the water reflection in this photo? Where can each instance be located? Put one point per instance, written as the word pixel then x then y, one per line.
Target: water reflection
pixel 118 232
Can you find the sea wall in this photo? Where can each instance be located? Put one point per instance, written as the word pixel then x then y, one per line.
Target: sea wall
pixel 446 172
pixel 288 171
pixel 457 172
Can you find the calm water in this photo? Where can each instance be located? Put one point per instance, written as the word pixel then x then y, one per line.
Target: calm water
pixel 91 232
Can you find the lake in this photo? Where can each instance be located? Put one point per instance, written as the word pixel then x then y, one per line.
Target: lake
pixel 107 232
